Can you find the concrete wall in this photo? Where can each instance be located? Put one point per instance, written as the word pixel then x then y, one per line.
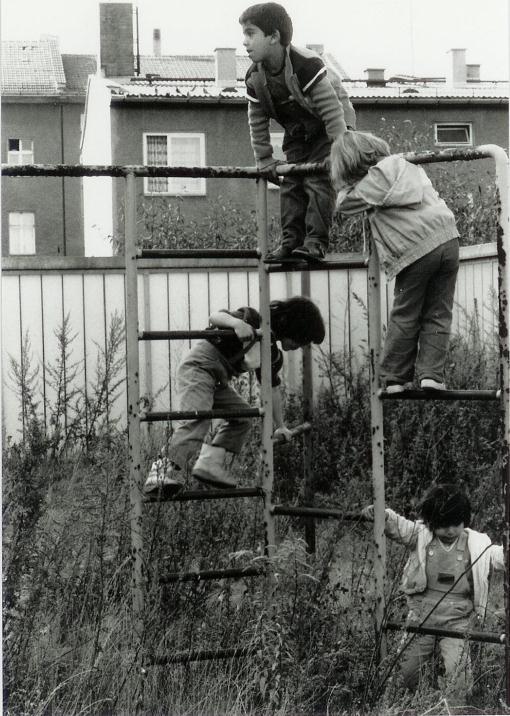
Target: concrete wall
pixel 54 128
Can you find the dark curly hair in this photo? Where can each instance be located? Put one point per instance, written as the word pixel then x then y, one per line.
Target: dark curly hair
pixel 297 318
pixel 445 505
pixel 270 16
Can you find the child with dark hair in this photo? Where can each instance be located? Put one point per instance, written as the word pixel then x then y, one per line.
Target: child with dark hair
pixel 293 86
pixel 446 580
pixel 203 383
pixel 417 243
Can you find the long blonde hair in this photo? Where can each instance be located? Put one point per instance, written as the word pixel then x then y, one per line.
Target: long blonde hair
pixel 352 155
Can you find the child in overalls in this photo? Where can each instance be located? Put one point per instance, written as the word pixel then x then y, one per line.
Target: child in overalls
pixel 446 580
pixel 203 383
pixel 417 243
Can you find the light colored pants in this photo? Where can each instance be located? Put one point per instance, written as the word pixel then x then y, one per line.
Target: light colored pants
pixel 203 384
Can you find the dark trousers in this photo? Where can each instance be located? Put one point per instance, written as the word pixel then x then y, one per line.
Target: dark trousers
pixel 421 318
pixel 307 202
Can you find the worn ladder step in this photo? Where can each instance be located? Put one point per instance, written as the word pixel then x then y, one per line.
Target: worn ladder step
pixel 416 394
pixel 209 574
pixel 489 637
pixel 205 494
pixel 177 335
pixel 198 254
pixel 183 657
pixel 167 415
pixel 322 512
pixel 325 265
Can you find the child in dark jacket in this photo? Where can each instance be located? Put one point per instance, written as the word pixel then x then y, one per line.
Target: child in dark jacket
pixel 446 581
pixel 417 242
pixel 203 383
pixel 291 85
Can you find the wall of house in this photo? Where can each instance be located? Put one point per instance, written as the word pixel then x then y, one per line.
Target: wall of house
pixel 178 295
pixel 54 128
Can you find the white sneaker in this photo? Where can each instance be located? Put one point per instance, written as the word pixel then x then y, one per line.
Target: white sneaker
pixel 212 467
pixel 394 388
pixel 431 384
pixel 160 477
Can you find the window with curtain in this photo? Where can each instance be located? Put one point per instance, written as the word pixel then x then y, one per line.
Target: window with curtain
pixel 21 233
pixel 178 150
pixel 20 151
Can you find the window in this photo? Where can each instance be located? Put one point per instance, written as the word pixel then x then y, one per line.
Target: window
pixel 277 141
pixel 178 150
pixel 21 232
pixel 20 151
pixel 453 133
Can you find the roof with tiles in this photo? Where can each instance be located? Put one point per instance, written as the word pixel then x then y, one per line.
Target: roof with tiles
pixel 188 67
pixel 77 69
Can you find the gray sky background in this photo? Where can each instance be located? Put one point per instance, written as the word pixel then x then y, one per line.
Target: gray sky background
pixel 403 36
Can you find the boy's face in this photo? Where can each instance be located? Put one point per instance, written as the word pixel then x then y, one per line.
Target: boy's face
pixel 448 535
pixel 258 45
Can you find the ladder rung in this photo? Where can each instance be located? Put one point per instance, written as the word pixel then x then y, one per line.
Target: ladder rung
pixel 198 254
pixel 441 395
pixel 298 511
pixel 326 265
pixel 189 495
pixel 211 574
pixel 201 655
pixel 176 335
pixel 490 637
pixel 154 417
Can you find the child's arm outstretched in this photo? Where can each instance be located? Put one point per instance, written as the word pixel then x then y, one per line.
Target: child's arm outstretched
pixel 279 427
pixel 396 527
pixel 221 319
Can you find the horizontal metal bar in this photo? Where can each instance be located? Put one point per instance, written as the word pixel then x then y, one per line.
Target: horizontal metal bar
pixel 189 495
pixel 162 416
pixel 326 265
pixel 295 432
pixel 176 335
pixel 441 395
pixel 198 254
pixel 184 657
pixel 323 512
pixel 489 637
pixel 209 574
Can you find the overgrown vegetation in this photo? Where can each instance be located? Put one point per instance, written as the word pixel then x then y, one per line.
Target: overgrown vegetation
pixel 69 642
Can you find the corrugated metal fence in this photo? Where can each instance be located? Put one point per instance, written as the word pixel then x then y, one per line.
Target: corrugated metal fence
pixel 38 293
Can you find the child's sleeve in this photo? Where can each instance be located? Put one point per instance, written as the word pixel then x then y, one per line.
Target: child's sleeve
pixel 370 192
pixel 402 530
pixel 329 108
pixel 258 122
pixel 497 556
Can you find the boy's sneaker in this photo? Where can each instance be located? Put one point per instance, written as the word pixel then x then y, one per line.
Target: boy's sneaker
pixel 392 388
pixel 212 466
pixel 160 478
pixel 282 253
pixel 431 384
pixel 309 253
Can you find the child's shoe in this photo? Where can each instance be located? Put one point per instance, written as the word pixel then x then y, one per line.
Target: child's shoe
pixel 212 465
pixel 431 384
pixel 313 252
pixel 160 477
pixel 392 388
pixel 282 253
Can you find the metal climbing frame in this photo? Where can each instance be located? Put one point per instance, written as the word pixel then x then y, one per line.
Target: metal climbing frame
pixel 135 415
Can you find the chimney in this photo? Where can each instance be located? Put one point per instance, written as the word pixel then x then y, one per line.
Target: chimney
pixel 374 77
pixel 456 75
pixel 116 39
pixel 156 42
pixel 473 73
pixel 319 49
pixel 225 67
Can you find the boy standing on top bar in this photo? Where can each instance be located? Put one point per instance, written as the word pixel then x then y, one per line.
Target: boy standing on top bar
pixel 292 85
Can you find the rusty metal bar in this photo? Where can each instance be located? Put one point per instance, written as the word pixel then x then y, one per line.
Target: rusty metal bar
pixel 167 415
pixel 488 637
pixel 133 396
pixel 377 439
pixel 211 574
pixel 266 390
pixel 178 335
pixel 442 395
pixel 183 657
pixel 198 254
pixel 307 378
pixel 326 265
pixel 204 494
pixel 319 512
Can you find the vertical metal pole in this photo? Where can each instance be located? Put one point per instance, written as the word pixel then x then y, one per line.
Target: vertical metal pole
pixel 133 393
pixel 307 417
pixel 376 410
pixel 266 397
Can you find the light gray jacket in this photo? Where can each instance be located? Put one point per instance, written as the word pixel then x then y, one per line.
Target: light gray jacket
pixel 407 217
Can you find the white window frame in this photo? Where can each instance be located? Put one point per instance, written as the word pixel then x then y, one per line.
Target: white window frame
pixel 21 233
pixel 23 155
pixel 440 125
pixel 199 184
pixel 277 141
